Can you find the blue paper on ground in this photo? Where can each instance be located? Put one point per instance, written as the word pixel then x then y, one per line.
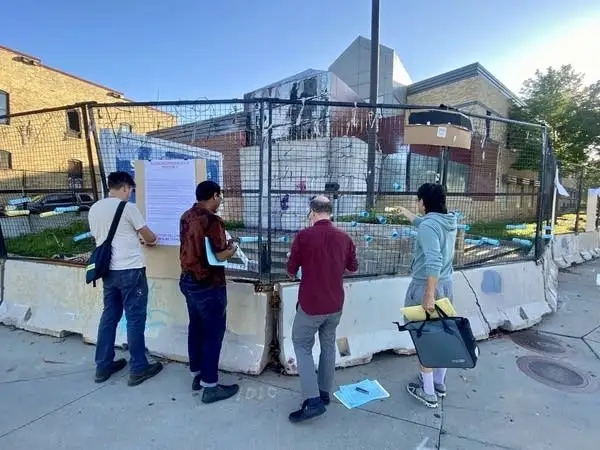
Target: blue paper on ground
pixel 351 398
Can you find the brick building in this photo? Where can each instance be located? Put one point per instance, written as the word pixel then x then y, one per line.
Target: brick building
pixel 483 181
pixel 48 151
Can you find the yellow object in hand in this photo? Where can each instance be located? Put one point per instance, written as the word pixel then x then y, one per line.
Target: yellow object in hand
pixel 416 313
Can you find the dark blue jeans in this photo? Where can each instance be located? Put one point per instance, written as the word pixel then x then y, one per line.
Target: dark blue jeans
pixel 123 290
pixel 207 309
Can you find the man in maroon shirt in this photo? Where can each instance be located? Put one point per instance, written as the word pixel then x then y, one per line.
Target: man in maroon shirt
pixel 204 289
pixel 324 253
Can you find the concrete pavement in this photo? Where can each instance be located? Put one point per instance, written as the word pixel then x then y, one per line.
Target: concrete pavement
pixel 48 399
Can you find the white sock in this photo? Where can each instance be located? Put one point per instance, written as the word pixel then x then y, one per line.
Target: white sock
pixel 427 378
pixel 195 374
pixel 208 385
pixel 439 376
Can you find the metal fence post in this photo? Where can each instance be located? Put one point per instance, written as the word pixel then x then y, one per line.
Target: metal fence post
pixel 3 250
pixel 443 167
pixel 540 206
pixel 269 186
pixel 94 133
pixel 579 192
pixel 374 88
pixel 261 158
pixel 88 143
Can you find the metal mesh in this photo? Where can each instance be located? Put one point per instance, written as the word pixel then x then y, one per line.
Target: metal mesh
pixel 271 156
pixel 47 183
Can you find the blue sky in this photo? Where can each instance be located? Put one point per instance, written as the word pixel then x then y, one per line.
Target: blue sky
pixel 190 49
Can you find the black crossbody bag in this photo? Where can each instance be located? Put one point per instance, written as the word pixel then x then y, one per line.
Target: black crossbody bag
pixel 99 263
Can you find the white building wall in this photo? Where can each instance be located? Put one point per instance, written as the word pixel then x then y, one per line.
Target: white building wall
pixel 353 67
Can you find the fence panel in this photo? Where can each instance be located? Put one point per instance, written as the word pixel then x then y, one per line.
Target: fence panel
pixel 321 148
pixel 47 183
pixel 270 157
pixel 215 132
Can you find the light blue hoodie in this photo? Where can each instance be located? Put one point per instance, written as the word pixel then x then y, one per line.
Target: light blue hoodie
pixel 434 246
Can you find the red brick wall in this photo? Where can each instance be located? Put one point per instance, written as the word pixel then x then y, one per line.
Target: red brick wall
pixel 228 145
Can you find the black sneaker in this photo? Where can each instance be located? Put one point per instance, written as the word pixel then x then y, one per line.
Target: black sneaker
pixel 147 373
pixel 219 392
pixel 311 408
pixel 115 366
pixel 196 386
pixel 325 397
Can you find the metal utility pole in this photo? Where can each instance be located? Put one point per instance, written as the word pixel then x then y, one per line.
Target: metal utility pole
pixel 373 100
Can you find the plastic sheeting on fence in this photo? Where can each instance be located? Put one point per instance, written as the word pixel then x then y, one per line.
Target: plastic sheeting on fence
pixel 54 299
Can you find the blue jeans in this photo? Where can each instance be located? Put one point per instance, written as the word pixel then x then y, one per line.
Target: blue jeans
pixel 207 309
pixel 123 290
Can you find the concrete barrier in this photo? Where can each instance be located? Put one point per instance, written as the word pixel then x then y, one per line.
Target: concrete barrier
pixel 54 300
pixel 511 296
pixel 569 249
pixel 47 298
pixel 366 326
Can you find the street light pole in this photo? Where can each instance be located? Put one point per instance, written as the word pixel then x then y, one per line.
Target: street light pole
pixel 372 149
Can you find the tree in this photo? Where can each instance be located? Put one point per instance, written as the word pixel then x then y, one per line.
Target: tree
pixel 559 98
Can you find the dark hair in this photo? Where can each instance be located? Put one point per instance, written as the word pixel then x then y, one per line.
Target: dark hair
pixel 118 180
pixel 434 198
pixel 320 205
pixel 207 190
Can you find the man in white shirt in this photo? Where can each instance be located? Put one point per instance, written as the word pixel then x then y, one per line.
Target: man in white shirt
pixel 125 286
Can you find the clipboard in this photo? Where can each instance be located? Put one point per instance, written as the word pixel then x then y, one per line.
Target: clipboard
pixel 239 255
pixel 417 313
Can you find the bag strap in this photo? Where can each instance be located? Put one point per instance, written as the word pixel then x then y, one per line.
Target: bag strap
pixel 115 222
pixel 440 312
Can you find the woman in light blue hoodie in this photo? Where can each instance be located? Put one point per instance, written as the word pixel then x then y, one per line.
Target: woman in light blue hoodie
pixel 431 274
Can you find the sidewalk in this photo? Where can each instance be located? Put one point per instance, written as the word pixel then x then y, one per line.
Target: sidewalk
pixel 48 399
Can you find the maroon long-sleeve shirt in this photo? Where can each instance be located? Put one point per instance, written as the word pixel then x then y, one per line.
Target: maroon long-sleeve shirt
pixel 325 253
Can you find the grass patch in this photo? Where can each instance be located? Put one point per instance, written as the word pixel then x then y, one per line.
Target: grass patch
pixel 234 225
pixel 372 219
pixel 59 241
pixel 497 230
pixel 50 242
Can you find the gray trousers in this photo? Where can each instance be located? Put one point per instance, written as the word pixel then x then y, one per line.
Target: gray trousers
pixel 303 336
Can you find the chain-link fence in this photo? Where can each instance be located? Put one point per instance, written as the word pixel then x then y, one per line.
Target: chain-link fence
pixel 571 212
pixel 47 182
pixel 271 156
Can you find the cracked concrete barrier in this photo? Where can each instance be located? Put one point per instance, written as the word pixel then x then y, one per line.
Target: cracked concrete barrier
pixel 54 300
pixel 366 326
pixel 511 296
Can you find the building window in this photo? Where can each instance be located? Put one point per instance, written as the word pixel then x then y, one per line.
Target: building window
pixel 73 123
pixel 488 125
pixel 5 160
pixel 125 128
pixel 4 107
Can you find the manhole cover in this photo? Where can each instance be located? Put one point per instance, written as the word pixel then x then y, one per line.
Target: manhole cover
pixel 538 342
pixel 555 374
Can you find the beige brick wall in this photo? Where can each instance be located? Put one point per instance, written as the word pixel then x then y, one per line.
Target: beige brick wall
pixel 39 143
pixel 451 94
